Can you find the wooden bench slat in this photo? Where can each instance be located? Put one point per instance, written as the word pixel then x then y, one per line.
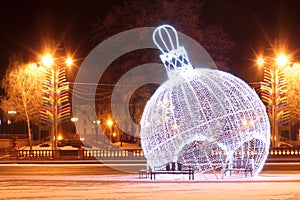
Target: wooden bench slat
pixel 171 169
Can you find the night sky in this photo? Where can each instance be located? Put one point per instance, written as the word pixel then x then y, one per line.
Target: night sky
pixel 249 24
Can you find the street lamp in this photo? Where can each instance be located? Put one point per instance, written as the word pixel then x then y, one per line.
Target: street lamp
pixel 272 90
pixel 56 89
pixel 282 60
pixel 96 124
pixel 47 60
pixel 260 61
pixel 11 113
pixel 69 62
pixel 59 138
pixel 74 119
pixel 110 123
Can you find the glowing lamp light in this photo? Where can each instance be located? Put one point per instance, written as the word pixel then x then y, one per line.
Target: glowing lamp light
pixel 74 119
pixel 47 60
pixel 59 138
pixel 281 60
pixel 97 122
pixel 260 62
pixel 109 122
pixel 11 112
pixel 69 62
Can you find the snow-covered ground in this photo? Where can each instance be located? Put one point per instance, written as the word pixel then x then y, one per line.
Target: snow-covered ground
pixel 130 187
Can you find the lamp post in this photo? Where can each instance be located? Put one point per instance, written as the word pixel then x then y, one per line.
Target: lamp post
pixel 271 91
pixel 74 120
pixel 96 124
pixel 11 113
pixel 54 88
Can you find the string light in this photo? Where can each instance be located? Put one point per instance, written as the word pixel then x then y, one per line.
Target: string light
pixel 218 117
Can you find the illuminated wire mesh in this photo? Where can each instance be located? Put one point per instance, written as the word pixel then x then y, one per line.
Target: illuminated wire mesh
pixel 203 118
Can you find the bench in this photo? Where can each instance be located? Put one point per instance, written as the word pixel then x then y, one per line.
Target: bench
pixel 171 169
pixel 144 173
pixel 240 166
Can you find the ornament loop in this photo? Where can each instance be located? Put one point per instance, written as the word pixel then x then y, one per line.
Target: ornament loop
pixel 173 56
pixel 166 45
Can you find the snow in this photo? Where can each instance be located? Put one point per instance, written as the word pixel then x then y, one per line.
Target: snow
pixel 129 186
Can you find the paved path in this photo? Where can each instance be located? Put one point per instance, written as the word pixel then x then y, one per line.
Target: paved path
pixel 129 187
pixel 95 182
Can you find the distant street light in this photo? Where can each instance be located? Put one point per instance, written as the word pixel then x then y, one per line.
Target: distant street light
pixel 59 138
pixel 12 112
pixel 74 119
pixel 110 123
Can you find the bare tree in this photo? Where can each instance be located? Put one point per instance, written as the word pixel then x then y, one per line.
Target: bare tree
pixel 22 85
pixel 185 16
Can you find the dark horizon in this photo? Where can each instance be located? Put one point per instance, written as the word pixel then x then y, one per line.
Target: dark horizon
pixel 249 24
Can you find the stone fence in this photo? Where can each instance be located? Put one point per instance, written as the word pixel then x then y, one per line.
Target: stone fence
pixel 80 154
pixel 284 154
pixel 275 154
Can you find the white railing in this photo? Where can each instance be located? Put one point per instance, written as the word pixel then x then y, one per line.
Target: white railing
pixel 274 153
pixel 81 153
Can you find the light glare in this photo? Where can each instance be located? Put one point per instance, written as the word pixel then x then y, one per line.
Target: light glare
pixel 281 60
pixel 69 62
pixel 109 122
pixel 260 62
pixel 47 60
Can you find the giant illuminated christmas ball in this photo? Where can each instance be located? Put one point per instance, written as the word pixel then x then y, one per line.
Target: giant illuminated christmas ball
pixel 203 118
